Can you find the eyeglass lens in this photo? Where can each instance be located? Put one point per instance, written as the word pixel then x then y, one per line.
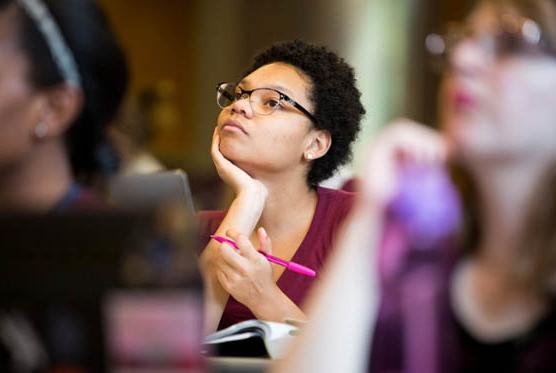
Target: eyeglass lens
pixel 514 36
pixel 263 101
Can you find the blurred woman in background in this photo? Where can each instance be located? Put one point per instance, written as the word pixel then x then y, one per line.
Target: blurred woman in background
pixel 63 78
pixel 495 308
pixel 284 127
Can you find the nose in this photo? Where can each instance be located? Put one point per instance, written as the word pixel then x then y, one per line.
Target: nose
pixel 468 58
pixel 242 106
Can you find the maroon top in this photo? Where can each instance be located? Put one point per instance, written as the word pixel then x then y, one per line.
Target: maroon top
pixel 332 208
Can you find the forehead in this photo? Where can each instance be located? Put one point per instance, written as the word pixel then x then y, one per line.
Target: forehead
pixel 281 76
pixel 8 28
pixel 11 54
pixel 486 17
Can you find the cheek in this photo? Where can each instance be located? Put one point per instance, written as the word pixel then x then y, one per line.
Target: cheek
pixel 222 116
pixel 270 146
pixel 527 108
pixel 281 145
pixel 17 120
pixel 512 100
pixel 15 141
pixel 515 117
pixel 282 142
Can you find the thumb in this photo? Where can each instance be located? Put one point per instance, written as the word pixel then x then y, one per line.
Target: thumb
pixel 264 241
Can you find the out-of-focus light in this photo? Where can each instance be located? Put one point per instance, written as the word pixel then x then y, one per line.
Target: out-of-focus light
pixel 531 32
pixel 435 44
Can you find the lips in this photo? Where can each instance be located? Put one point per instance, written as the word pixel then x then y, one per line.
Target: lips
pixel 463 100
pixel 233 125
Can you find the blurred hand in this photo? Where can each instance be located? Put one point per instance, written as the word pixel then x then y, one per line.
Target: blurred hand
pixel 402 141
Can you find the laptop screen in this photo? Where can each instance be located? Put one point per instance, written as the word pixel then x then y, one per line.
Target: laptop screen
pixel 143 192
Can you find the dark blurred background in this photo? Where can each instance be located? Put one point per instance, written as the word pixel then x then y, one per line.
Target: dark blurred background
pixel 180 49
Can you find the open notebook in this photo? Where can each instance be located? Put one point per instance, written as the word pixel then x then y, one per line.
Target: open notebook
pixel 253 338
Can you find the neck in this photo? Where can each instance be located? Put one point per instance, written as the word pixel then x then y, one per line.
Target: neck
pixel 37 183
pixel 505 195
pixel 290 204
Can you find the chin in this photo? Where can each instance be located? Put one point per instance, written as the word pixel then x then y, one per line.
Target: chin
pixel 232 150
pixel 228 149
pixel 464 141
pixel 456 129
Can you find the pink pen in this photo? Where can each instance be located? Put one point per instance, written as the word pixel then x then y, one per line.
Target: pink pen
pixel 292 266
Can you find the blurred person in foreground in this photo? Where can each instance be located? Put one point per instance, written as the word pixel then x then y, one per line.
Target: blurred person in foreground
pixel 63 78
pixel 284 127
pixel 495 308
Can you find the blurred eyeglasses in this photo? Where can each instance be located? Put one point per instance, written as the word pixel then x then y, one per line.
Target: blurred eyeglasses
pixel 515 35
pixel 263 101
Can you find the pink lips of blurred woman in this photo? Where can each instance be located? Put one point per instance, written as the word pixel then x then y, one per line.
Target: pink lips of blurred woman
pixel 463 101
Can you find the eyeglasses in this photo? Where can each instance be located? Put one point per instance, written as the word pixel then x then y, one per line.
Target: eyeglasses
pixel 263 101
pixel 515 35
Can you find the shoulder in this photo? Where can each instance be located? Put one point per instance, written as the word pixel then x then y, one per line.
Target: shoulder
pixel 333 207
pixel 335 195
pixel 334 201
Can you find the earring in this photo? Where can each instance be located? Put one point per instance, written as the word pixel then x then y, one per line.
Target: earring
pixel 41 130
pixel 309 156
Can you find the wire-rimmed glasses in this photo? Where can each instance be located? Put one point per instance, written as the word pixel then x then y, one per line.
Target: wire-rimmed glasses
pixel 263 101
pixel 514 35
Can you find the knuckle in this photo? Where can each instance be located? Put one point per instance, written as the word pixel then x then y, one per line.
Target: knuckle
pixel 242 271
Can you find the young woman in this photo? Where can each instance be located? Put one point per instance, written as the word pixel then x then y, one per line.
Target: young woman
pixel 495 309
pixel 284 127
pixel 63 77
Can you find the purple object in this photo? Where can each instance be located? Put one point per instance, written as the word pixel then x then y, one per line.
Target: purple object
pixel 427 206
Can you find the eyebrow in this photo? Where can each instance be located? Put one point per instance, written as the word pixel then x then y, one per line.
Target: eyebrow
pixel 272 86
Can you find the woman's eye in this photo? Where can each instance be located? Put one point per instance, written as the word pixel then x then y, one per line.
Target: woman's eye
pixel 274 104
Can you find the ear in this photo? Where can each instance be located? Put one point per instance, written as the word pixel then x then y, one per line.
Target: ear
pixel 62 105
pixel 318 145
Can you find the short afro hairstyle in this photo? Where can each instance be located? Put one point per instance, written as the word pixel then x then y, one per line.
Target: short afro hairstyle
pixel 335 97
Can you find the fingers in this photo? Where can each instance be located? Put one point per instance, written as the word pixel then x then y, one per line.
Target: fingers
pixel 226 279
pixel 231 261
pixel 264 241
pixel 215 138
pixel 416 143
pixel 230 173
pixel 238 269
pixel 246 249
pixel 217 156
pixel 401 142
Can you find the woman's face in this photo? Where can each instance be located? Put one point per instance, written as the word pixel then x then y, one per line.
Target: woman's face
pixel 499 107
pixel 273 142
pixel 20 106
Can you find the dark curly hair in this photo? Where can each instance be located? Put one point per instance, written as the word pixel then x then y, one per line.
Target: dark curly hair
pixel 335 98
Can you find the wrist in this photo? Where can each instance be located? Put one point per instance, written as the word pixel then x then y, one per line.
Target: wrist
pixel 269 305
pixel 207 269
pixel 249 204
pixel 254 192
